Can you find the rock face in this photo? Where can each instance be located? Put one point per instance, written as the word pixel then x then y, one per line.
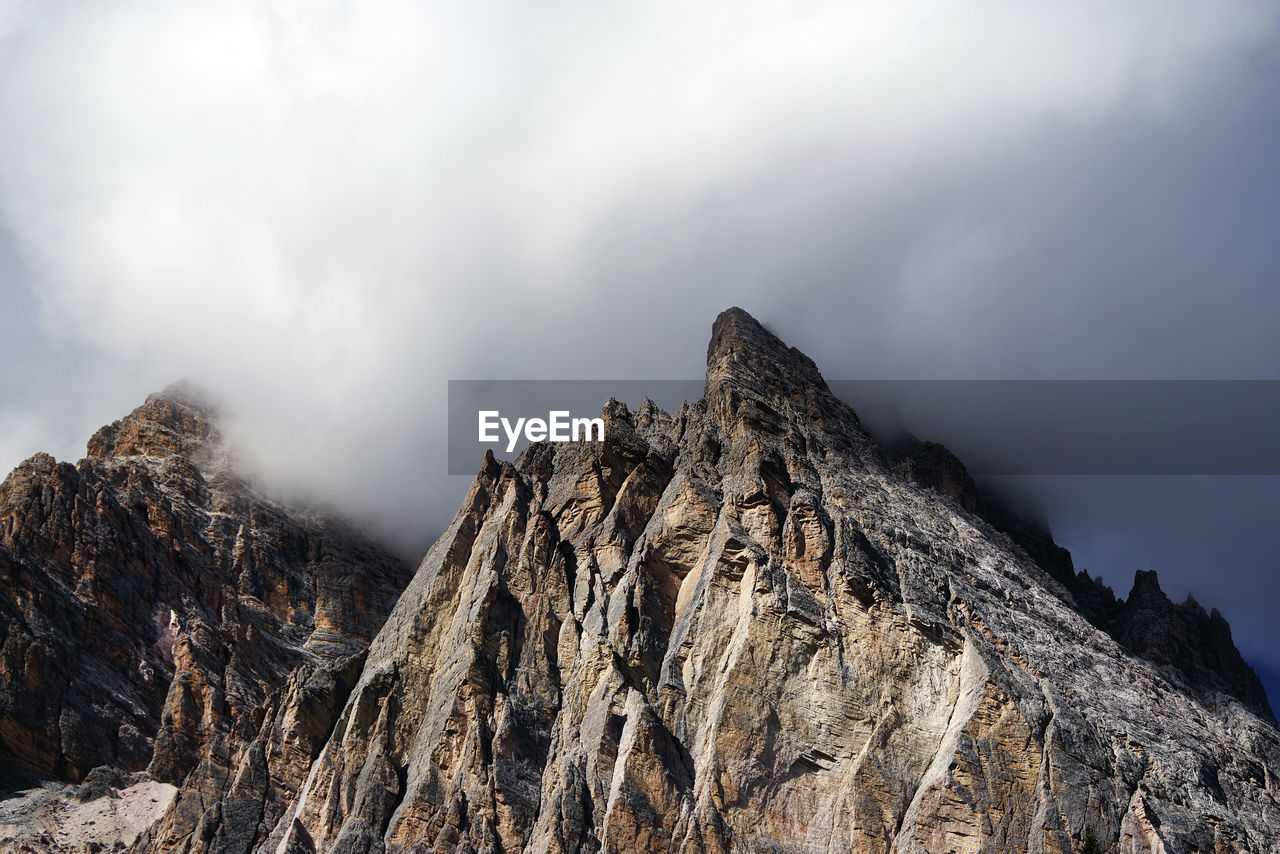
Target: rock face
pixel 152 604
pixel 744 626
pixel 1185 637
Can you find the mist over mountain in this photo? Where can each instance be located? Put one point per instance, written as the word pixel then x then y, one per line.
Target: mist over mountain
pixel 321 213
pixel 745 624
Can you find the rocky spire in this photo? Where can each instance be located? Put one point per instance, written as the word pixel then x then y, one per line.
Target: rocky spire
pixel 738 628
pixel 742 350
pixel 1186 638
pixel 756 385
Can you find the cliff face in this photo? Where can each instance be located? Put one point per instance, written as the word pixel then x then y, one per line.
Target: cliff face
pixel 740 627
pixel 743 626
pixel 151 602
pixel 1147 623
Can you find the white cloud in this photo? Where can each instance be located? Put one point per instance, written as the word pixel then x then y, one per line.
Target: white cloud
pixel 324 210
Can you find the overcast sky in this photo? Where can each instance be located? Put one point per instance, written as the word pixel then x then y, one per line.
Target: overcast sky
pixel 323 211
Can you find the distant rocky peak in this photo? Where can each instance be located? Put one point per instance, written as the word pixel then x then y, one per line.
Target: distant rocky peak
pixel 1147 591
pixel 179 421
pixel 1185 637
pixel 152 600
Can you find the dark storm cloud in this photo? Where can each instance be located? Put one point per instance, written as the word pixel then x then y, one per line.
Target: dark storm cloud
pixel 323 212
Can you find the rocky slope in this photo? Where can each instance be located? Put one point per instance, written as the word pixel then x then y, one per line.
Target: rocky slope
pixel 1147 623
pixel 745 626
pixel 151 602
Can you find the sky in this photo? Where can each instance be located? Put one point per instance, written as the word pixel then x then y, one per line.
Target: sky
pixel 323 211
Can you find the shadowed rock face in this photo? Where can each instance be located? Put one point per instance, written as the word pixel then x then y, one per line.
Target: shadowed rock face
pixel 1185 637
pixel 740 627
pixel 151 602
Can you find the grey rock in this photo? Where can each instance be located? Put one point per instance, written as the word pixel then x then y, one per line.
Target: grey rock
pixel 745 626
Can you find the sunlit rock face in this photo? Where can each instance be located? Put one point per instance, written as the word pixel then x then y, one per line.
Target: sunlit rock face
pixel 152 602
pixel 744 626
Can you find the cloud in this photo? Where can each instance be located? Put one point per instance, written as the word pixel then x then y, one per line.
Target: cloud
pixel 323 211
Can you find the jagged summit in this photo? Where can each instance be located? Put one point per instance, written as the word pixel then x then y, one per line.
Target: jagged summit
pixel 181 421
pixel 746 360
pixel 741 627
pixel 149 604
pixel 1188 639
pixel 746 627
pixel 756 382
pixel 741 345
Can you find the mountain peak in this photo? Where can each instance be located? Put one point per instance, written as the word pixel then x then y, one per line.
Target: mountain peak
pixel 732 325
pixel 698 635
pixel 180 420
pixel 148 611
pixel 743 347
pixel 757 383
pixel 188 394
pixel 701 634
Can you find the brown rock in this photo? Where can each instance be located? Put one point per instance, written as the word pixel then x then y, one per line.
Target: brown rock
pixel 152 603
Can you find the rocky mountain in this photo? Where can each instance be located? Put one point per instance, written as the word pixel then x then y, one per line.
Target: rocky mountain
pixel 746 626
pixel 1147 623
pixel 152 602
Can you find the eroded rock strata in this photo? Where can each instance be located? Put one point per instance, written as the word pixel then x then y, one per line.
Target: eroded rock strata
pixel 745 626
pixel 152 604
pixel 1182 636
pixel 739 627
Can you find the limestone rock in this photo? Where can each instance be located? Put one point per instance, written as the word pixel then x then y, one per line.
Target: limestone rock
pixel 152 603
pixel 743 627
pixel 1183 637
